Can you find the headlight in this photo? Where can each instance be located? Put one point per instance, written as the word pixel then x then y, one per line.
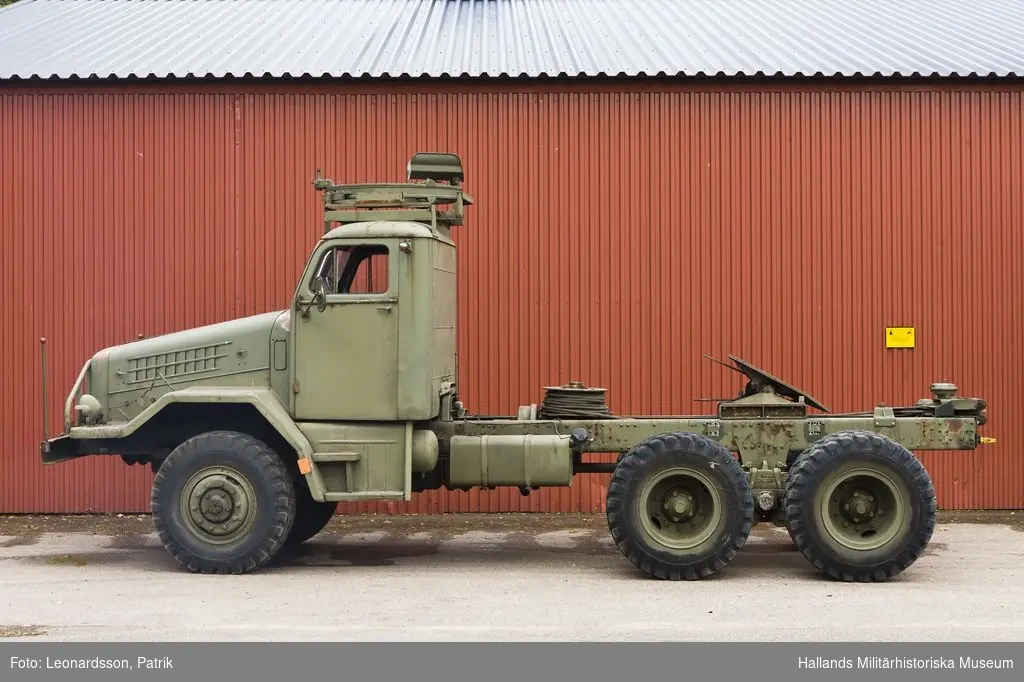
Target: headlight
pixel 89 407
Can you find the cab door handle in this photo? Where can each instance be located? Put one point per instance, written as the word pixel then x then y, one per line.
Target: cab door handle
pixel 385 308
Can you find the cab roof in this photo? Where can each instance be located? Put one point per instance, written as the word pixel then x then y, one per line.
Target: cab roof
pixel 383 229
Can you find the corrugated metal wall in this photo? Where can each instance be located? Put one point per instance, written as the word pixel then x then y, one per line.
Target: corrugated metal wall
pixel 622 231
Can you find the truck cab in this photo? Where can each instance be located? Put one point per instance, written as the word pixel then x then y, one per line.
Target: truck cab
pixel 339 391
pixel 374 319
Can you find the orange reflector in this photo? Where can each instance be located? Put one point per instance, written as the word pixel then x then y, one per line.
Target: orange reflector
pixel 304 466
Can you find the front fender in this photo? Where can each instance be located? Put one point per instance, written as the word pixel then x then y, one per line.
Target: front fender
pixel 264 400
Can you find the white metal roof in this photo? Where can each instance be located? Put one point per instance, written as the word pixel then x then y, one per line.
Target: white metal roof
pixel 533 38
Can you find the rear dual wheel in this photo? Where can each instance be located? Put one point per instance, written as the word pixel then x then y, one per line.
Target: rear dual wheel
pixel 860 507
pixel 679 506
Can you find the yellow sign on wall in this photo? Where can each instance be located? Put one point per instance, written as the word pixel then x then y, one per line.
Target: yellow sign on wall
pixel 899 337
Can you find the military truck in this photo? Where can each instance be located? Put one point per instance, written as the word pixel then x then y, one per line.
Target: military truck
pixel 257 428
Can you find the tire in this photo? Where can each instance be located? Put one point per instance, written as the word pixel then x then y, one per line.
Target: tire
pixel 792 467
pixel 720 507
pixel 311 517
pixel 860 507
pixel 231 467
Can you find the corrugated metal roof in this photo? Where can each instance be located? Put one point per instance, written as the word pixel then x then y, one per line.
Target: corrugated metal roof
pixel 336 38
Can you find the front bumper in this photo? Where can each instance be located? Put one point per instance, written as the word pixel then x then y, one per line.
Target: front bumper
pixel 61 449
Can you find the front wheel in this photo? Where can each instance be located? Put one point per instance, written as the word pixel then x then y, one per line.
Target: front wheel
pixel 679 506
pixel 223 502
pixel 860 506
pixel 311 517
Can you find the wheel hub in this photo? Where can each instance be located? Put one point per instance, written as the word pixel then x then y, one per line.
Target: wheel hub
pixel 680 504
pixel 864 509
pixel 680 508
pixel 860 506
pixel 218 504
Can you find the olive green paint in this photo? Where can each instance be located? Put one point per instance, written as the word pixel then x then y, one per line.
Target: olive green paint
pixel 264 400
pixel 359 461
pixel 755 440
pixel 683 509
pixel 510 460
pixel 363 384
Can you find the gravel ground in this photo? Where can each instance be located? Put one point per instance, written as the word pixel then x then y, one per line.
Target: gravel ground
pixel 493 577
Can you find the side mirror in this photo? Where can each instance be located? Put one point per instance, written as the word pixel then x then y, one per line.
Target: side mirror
pixel 320 294
pixel 319 288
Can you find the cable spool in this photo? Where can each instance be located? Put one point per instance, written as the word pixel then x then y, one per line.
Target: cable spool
pixel 574 401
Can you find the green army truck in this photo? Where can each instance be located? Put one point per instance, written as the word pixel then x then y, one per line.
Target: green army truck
pixel 258 427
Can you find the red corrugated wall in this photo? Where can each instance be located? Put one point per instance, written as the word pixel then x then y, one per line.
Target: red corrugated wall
pixel 621 231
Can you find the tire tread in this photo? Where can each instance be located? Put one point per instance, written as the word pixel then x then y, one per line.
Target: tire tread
pixel 799 490
pixel 630 469
pixel 277 478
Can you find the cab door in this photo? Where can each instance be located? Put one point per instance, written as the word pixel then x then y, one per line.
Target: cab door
pixel 345 355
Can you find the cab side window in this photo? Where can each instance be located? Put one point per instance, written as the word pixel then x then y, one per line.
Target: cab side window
pixel 366 271
pixel 356 269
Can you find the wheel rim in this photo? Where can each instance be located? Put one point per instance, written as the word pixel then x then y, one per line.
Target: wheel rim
pixel 680 508
pixel 863 509
pixel 218 505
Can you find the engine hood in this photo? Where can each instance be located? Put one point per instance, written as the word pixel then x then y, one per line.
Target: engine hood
pixel 128 378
